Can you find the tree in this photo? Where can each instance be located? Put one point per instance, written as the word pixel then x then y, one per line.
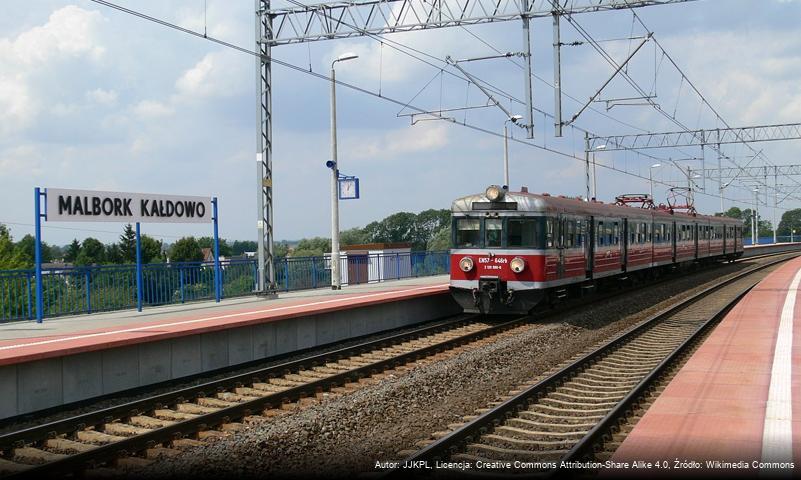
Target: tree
pixel 280 249
pixel 441 240
pixel 353 236
pixel 9 255
pixel 241 246
pixel 72 251
pixel 208 242
pixel 114 254
pixel 151 250
pixel 127 245
pixel 791 220
pixel 429 223
pixel 312 247
pixel 26 249
pixel 186 249
pixel 92 252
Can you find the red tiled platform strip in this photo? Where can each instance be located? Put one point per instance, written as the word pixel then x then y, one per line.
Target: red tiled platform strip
pixel 714 408
pixel 29 349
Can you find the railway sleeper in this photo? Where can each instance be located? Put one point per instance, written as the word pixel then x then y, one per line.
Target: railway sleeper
pixel 513 454
pixel 548 426
pixel 584 395
pixel 582 406
pixel 581 390
pixel 124 429
pixel 166 414
pixel 553 415
pixel 67 446
pixel 35 456
pixel 523 433
pixel 585 412
pixel 504 441
pixel 95 437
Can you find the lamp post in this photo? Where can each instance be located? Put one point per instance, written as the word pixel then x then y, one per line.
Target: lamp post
pixel 651 177
pixel 336 282
pixel 755 219
pixel 720 189
pixel 594 177
pixel 513 119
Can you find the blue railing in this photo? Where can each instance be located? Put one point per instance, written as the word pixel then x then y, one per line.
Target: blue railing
pixel 298 273
pixel 78 290
pixel 73 290
pixel 769 239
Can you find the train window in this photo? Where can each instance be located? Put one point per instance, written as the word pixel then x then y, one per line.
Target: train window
pixel 493 232
pixel 468 232
pixel 600 234
pixel 579 233
pixel 570 233
pixel 549 233
pixel 524 232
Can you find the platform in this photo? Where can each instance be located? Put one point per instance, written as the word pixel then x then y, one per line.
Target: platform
pixel 68 359
pixel 738 398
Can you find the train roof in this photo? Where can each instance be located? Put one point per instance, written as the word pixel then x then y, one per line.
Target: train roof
pixel 532 202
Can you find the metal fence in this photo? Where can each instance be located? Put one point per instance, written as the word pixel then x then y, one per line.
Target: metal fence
pixel 769 239
pixel 298 273
pixel 78 290
pixel 74 290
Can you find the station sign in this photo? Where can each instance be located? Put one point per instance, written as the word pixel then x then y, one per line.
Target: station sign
pixel 64 205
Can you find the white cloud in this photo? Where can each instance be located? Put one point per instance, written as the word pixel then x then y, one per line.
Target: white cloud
pixel 217 74
pixel 69 31
pixel 152 109
pixel 417 139
pixel 107 98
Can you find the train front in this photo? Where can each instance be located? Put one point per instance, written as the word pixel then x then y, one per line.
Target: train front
pixel 497 259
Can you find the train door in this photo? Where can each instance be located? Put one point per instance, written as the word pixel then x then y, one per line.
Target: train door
pixel 624 257
pixel 695 230
pixel 589 245
pixel 673 239
pixel 562 231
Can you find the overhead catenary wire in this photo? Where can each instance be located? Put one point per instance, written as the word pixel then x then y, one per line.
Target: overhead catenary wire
pixel 374 94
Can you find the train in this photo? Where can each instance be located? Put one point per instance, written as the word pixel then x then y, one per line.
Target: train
pixel 511 251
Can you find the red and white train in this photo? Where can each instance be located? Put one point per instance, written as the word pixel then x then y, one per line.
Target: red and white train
pixel 512 250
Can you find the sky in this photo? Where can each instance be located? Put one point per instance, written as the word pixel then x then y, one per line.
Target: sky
pixel 96 99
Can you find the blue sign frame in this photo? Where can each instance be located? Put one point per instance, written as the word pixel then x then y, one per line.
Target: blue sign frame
pixel 41 193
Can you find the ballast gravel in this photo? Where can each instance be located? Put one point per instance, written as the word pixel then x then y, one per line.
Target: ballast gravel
pixel 347 435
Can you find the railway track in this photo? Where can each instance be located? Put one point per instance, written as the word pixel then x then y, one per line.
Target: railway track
pixel 134 434
pixel 574 414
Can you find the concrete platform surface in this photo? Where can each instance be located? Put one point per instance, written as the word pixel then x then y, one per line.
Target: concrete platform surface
pixel 28 340
pixel 738 398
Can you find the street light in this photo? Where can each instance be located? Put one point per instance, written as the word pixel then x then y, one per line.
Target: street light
pixel 594 177
pixel 651 177
pixel 513 119
pixel 336 282
pixel 755 219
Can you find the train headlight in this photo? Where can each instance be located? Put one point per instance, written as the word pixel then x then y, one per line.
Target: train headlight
pixel 494 193
pixel 466 264
pixel 517 264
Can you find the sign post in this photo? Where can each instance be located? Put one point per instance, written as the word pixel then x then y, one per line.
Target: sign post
pixel 64 205
pixel 138 269
pixel 217 279
pixel 38 252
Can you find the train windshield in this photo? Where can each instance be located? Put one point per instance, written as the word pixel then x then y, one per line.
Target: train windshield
pixel 525 232
pixel 493 230
pixel 468 233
